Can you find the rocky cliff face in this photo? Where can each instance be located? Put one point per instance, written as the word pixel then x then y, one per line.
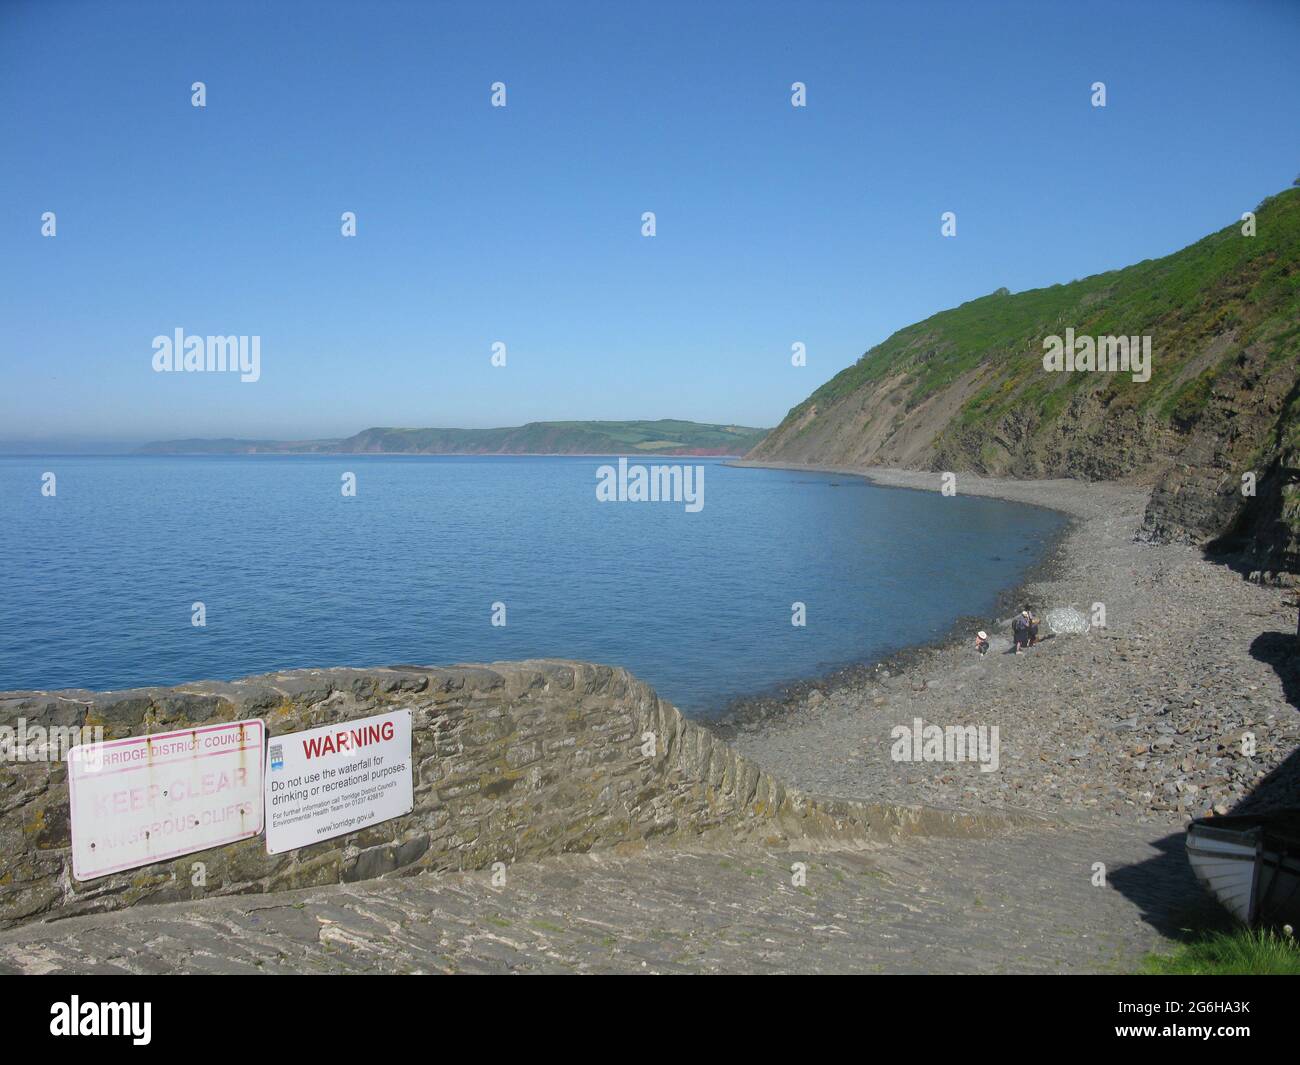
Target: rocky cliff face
pixel 967 390
pixel 1243 442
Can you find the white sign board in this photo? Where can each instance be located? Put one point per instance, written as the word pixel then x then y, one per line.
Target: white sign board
pixel 326 782
pixel 150 798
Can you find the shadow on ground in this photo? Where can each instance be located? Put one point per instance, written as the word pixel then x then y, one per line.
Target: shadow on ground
pixel 1278 649
pixel 1164 887
pixel 1281 787
pixel 1165 890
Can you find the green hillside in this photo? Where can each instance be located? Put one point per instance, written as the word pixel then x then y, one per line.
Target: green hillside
pixel 1226 283
pixel 666 436
pixel 966 388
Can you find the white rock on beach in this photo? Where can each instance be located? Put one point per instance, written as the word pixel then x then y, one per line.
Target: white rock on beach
pixel 1067 621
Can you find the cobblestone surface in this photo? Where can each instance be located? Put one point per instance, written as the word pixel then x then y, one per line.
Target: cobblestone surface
pixel 1022 902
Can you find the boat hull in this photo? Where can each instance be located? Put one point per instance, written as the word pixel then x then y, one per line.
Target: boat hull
pixel 1251 864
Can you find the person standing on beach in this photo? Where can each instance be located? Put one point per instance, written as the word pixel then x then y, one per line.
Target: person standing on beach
pixel 1020 630
pixel 982 642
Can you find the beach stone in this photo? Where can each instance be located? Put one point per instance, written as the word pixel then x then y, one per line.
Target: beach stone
pixel 1067 621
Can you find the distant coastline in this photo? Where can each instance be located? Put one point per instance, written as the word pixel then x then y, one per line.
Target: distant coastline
pixel 661 437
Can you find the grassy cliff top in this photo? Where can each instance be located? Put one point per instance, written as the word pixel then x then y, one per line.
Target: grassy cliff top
pixel 1224 283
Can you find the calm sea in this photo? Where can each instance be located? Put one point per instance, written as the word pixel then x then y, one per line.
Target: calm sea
pixel 98 582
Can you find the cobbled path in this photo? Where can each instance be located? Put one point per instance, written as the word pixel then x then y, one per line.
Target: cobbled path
pixel 1022 902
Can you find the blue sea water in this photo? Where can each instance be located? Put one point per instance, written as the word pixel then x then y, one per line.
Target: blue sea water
pixel 98 581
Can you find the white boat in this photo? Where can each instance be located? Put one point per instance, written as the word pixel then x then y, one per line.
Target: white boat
pixel 1250 863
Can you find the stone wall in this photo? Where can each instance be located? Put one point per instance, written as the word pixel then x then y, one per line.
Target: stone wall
pixel 511 761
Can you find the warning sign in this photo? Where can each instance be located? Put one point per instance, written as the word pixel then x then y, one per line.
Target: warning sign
pixel 328 781
pixel 150 798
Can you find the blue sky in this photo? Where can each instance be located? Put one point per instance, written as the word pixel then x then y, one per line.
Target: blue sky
pixel 522 224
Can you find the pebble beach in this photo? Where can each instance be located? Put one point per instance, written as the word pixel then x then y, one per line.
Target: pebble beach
pixel 1184 704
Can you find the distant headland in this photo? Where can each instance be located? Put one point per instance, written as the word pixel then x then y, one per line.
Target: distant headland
pixel 666 436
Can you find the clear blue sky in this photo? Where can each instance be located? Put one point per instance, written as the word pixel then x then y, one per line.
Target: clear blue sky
pixel 522 224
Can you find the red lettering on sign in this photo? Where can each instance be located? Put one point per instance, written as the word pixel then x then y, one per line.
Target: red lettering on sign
pixel 347 739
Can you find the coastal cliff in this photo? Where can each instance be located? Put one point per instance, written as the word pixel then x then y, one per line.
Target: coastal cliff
pixel 966 390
